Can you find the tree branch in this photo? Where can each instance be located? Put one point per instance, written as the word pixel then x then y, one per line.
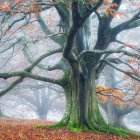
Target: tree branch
pixel 37 61
pixel 119 50
pixel 25 74
pixel 11 86
pixel 130 74
pixel 132 23
pixel 93 9
pixel 46 30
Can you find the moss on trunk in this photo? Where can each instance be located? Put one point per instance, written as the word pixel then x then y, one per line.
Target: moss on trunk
pixel 82 111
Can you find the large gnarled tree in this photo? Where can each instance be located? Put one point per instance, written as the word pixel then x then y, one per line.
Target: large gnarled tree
pixel 82 62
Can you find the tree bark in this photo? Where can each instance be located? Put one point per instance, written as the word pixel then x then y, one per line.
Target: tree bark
pixel 82 111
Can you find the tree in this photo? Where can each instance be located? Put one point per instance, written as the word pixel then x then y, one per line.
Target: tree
pixel 122 102
pixel 82 62
pixel 1 114
pixel 113 103
pixel 38 98
pixel 43 100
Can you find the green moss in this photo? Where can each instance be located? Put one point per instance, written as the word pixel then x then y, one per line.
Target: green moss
pixel 74 129
pixel 65 78
pixel 113 130
pixel 57 125
pixel 40 126
pixel 96 128
pixel 60 124
pixel 98 124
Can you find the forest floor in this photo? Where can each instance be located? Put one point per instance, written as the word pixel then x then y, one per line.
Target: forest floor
pixel 19 129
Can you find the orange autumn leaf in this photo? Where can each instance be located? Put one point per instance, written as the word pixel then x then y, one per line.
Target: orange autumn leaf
pixel 5 7
pixel 19 129
pixel 115 96
pixel 17 1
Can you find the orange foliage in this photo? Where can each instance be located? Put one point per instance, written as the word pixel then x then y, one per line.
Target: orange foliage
pixel 106 94
pixel 107 8
pixel 107 2
pixel 17 1
pixel 137 101
pixel 4 6
pixel 33 9
pixel 109 94
pixel 134 69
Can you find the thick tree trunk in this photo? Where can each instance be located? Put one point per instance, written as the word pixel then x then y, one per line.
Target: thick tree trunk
pixel 82 111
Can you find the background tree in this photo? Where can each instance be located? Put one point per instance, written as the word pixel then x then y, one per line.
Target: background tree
pixel 44 100
pixel 38 100
pixel 117 108
pixel 114 103
pixel 1 114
